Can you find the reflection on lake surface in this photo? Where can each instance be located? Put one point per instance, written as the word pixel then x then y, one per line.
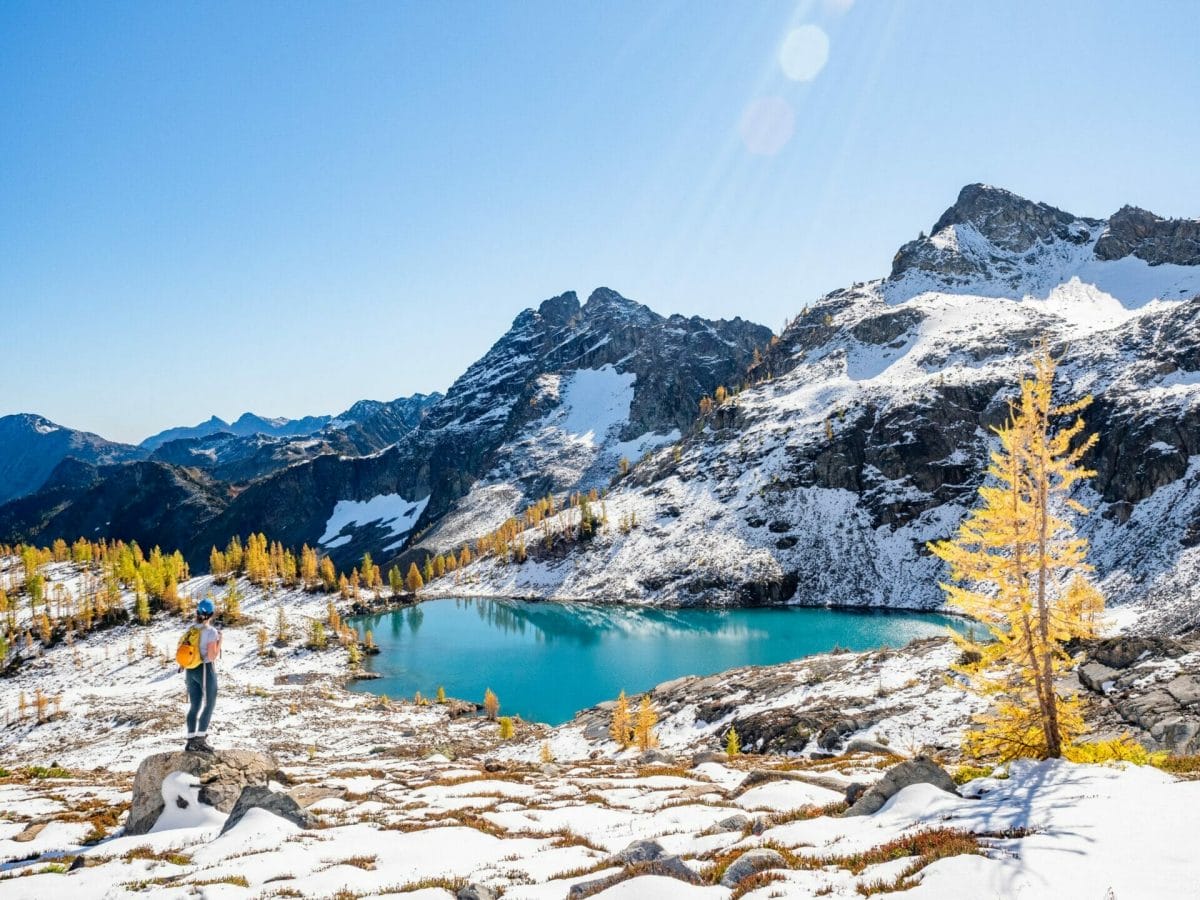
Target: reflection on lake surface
pixel 548 660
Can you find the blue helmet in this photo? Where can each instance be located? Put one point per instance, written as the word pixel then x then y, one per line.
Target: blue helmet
pixel 205 607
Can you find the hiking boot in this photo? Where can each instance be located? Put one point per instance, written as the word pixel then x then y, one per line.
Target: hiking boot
pixel 192 745
pixel 203 746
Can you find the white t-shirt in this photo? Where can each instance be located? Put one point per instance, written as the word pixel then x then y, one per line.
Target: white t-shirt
pixel 208 634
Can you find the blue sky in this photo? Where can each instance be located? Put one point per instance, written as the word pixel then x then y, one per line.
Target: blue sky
pixel 286 207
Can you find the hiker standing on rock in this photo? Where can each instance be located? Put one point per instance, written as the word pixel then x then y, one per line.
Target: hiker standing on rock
pixel 197 656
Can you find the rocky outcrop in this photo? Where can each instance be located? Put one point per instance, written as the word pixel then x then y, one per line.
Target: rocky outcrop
pixel 258 796
pixel 1145 685
pixel 918 770
pixel 223 775
pixel 1138 232
pixel 1011 225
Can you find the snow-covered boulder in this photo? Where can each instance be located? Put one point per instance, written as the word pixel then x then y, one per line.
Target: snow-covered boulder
pixel 257 796
pixel 221 776
pixel 919 770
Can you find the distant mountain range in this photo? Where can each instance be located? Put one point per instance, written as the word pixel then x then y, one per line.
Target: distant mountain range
pixel 247 424
pixel 847 441
pixel 37 455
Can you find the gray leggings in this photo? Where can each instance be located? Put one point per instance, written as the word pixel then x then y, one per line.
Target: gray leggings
pixel 202 697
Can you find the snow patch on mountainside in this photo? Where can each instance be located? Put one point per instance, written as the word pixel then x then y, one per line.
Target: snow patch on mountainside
pixel 575 446
pixel 390 511
pixel 594 402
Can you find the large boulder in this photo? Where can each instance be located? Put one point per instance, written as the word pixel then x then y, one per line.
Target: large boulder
pixel 918 770
pixel 258 796
pixel 222 777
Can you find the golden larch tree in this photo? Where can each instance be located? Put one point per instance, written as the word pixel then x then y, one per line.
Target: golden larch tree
pixel 643 729
pixel 622 725
pixel 413 581
pixel 1021 570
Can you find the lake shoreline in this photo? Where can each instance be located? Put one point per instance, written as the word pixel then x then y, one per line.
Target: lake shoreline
pixel 548 659
pixel 371 607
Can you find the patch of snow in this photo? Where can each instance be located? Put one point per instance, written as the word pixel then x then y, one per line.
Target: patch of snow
pixel 390 511
pixel 182 807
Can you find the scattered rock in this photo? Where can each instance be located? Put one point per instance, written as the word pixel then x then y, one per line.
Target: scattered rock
pixel 222 777
pixel 493 765
pixel 854 790
pixel 708 756
pixel 32 830
pixel 639 851
pixel 475 892
pixel 866 745
pixel 456 709
pixel 668 866
pixel 751 863
pixel 262 797
pixel 736 822
pixel 307 794
pixel 919 770
pixel 762 776
pixel 596 731
pixel 1122 652
pixel 656 758
pixel 1185 689
pixel 1094 675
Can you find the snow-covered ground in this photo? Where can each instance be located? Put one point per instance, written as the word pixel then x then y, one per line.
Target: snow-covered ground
pixel 415 804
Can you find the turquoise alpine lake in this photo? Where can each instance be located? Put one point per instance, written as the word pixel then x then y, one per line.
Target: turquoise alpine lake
pixel 546 661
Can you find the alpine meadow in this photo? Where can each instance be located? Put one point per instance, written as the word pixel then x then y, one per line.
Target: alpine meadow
pixel 857 556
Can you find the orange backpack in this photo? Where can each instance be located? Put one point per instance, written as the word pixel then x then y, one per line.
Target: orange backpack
pixel 188 652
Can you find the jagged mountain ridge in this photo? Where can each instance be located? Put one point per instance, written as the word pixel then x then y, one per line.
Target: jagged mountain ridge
pixel 479 437
pixel 246 425
pixel 554 405
pixel 367 427
pixel 822 483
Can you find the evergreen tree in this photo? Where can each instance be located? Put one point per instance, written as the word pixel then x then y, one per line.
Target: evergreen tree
pixel 506 728
pixel 1021 571
pixel 427 569
pixel 395 580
